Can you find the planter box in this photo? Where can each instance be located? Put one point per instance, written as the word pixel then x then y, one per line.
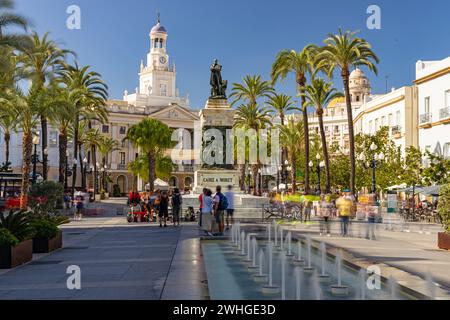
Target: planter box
pixel 11 257
pixel 444 240
pixel 44 245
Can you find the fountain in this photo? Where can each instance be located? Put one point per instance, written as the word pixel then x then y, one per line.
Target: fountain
pixel 268 232
pixel 323 277
pixel 281 240
pixel 242 244
pixel 289 253
pixel 260 277
pixel 308 269
pixel 298 281
pixel 270 288
pixel 248 260
pixel 317 290
pixel 431 287
pixel 362 284
pixel 283 276
pixel 253 268
pixel 339 289
pixel 275 233
pixel 299 261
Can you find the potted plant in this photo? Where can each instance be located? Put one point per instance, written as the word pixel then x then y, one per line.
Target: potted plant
pixel 15 246
pixel 46 236
pixel 444 212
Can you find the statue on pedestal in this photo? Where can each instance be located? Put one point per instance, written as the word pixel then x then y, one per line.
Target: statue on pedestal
pixel 218 86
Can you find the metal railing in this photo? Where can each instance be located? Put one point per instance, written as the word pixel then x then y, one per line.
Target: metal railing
pixel 425 118
pixel 396 130
pixel 444 113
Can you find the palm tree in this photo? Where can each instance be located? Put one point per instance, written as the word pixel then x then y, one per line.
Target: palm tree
pixel 299 63
pixel 90 91
pixel 343 51
pixel 42 60
pixel 318 95
pixel 92 141
pixel 291 137
pixel 152 137
pixel 251 116
pixel 10 19
pixel 8 123
pixel 106 146
pixel 248 93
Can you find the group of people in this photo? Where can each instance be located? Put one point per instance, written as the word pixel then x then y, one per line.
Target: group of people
pixel 213 209
pixel 157 204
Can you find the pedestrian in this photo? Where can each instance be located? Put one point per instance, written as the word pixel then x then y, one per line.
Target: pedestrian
pixel 200 199
pixel 163 211
pixel 326 211
pixel 230 209
pixel 344 205
pixel 308 209
pixel 78 206
pixel 177 201
pixel 207 211
pixel 220 205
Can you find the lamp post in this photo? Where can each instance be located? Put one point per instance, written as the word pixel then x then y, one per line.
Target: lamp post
pixel 320 165
pixel 375 163
pixel 84 175
pixel 285 173
pixel 280 168
pixel 34 159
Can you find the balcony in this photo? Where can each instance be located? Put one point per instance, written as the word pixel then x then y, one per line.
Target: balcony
pixel 425 120
pixel 444 113
pixel 183 168
pixel 397 132
pixel 122 167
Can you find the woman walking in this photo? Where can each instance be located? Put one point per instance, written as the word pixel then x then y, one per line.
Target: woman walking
pixel 207 212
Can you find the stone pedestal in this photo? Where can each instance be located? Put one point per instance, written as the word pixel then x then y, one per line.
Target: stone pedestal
pixel 219 115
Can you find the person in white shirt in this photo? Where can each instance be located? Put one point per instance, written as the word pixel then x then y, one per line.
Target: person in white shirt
pixel 230 209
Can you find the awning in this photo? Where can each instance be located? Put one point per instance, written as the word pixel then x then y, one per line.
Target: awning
pixel 430 191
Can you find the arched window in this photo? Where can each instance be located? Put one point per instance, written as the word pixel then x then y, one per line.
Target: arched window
pixel 173 182
pixel 187 182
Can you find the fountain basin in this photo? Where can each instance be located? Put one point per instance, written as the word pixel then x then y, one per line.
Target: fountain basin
pixel 270 290
pixel 261 278
pixel 253 269
pixel 324 278
pixel 309 270
pixel 299 263
pixel 340 291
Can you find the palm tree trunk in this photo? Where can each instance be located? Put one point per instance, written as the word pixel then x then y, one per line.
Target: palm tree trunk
pixel 75 154
pixel 151 171
pixel 306 141
pixel 326 157
pixel 62 156
pixel 44 147
pixel 345 78
pixel 7 143
pixel 255 179
pixel 27 142
pixel 94 163
pixel 83 172
pixel 294 175
pixel 242 176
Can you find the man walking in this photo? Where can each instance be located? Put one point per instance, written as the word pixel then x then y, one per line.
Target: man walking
pixel 344 205
pixel 220 205
pixel 177 201
pixel 230 209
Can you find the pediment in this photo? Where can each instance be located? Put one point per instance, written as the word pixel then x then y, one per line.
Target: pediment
pixel 174 112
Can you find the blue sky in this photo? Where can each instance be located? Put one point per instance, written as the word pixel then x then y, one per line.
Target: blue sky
pixel 245 35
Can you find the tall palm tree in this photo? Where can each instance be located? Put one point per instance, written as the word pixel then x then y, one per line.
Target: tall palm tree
pixel 42 60
pixel 90 91
pixel 299 63
pixel 248 93
pixel 92 141
pixel 10 19
pixel 251 116
pixel 291 137
pixel 318 95
pixel 106 146
pixel 344 51
pixel 152 137
pixel 8 122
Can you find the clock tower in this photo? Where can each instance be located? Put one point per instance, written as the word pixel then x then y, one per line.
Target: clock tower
pixel 157 78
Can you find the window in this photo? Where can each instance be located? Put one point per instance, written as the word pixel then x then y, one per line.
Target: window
pixel 447 98
pixel 427 105
pixel 163 89
pixel 123 130
pixel 105 128
pixel 357 98
pixel 390 119
pixel 122 158
pixel 336 129
pixel 53 139
pixel 398 117
pixel 124 144
pixel 376 125
pixel 370 126
pixel 383 121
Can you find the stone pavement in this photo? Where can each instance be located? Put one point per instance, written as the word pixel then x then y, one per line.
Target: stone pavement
pixel 413 250
pixel 118 261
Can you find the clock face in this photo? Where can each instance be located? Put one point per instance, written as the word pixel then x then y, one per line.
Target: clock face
pixel 162 60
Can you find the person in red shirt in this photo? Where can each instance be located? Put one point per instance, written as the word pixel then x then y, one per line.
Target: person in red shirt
pixel 200 199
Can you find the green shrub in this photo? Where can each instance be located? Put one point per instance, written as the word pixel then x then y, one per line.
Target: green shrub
pixel 444 207
pixel 17 222
pixel 44 228
pixel 45 197
pixel 7 238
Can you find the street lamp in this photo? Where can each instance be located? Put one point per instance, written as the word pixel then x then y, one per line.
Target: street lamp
pixel 35 158
pixel 319 167
pixel 377 160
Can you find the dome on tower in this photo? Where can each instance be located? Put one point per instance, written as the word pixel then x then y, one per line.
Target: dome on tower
pixel 158 28
pixel 357 74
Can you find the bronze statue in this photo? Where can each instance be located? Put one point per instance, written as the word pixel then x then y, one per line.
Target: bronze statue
pixel 218 86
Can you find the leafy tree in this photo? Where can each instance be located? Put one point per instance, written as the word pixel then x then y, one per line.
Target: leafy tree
pixel 319 94
pixel 444 207
pixel 152 137
pixel 342 51
pixel 301 64
pixel 438 170
pixel 106 146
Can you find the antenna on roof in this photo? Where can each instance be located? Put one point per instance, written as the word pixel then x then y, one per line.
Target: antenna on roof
pixel 158 14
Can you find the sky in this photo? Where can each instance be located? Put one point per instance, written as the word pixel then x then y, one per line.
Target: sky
pixel 245 35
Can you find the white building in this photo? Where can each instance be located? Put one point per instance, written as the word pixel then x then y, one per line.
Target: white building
pixel 433 82
pixel 396 110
